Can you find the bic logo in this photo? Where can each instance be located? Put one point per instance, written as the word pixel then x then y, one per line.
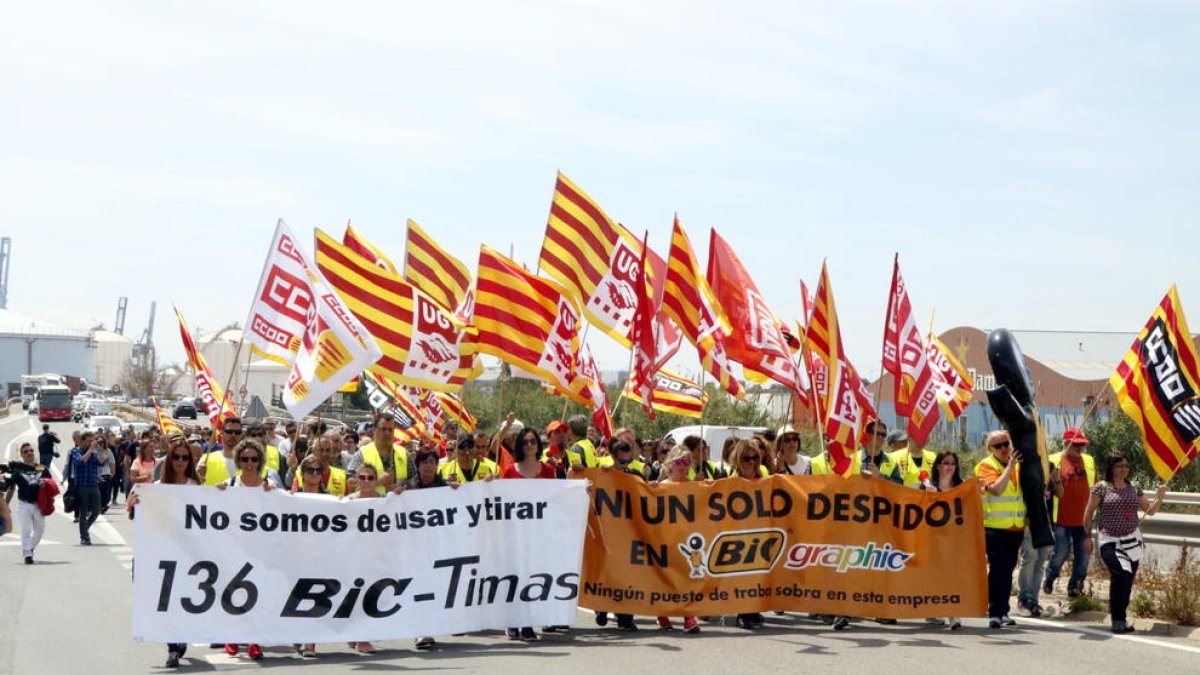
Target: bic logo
pixel 734 553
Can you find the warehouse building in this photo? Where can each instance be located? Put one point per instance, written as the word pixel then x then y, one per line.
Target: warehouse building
pixel 30 345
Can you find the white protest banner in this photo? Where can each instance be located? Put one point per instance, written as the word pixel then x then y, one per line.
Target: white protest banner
pixel 244 565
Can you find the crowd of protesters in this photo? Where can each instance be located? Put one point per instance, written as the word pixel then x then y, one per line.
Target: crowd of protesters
pixel 314 459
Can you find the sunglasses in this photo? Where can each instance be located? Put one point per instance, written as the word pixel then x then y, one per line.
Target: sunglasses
pixel 249 459
pixel 232 432
pixel 181 458
pixel 1002 444
pixel 366 476
pixel 313 470
pixel 751 458
pixel 468 446
pixel 682 461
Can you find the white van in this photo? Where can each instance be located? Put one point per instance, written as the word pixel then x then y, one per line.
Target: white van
pixel 713 435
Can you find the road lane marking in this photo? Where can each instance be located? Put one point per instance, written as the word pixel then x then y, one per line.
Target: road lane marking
pixel 1104 633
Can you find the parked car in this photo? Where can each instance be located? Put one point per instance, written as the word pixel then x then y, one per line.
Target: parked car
pixel 185 408
pixel 97 407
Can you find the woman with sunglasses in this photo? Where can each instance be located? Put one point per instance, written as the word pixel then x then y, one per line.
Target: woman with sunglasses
pixel 619 457
pixel 675 470
pixel 1003 521
pixel 178 468
pixel 142 468
pixel 426 477
pixel 311 476
pixel 944 479
pixel 744 463
pixel 527 449
pixel 1118 502
pixel 251 473
pixel 367 479
pixel 788 459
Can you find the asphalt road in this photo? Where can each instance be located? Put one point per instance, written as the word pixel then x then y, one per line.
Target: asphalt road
pixel 70 613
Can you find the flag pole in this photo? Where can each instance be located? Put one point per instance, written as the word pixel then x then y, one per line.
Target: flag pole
pixel 621 398
pixel 237 353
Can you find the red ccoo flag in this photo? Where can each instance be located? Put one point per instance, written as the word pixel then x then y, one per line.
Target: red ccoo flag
pixel 645 344
pixel 905 357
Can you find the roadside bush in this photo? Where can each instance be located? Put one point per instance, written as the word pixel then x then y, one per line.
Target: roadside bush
pixel 1142 605
pixel 1179 600
pixel 1086 603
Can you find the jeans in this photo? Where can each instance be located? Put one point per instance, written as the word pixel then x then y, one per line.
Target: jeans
pixel 1121 585
pixel 87 503
pixel 1002 549
pixel 1069 538
pixel 33 524
pixel 1033 566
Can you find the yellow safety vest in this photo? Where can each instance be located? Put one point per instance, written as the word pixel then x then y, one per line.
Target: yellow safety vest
pixel 337 482
pixel 215 471
pixel 273 458
pixel 1089 468
pixel 589 458
pixel 452 469
pixel 910 473
pixel 1005 511
pixel 821 466
pixel 711 471
pixel 399 463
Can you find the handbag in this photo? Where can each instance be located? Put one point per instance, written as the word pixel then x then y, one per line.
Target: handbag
pixel 69 501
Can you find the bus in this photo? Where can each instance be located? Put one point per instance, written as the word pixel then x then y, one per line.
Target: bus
pixel 31 383
pixel 54 403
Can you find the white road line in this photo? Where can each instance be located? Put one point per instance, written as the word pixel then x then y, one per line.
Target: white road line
pixel 1101 632
pixel 32 431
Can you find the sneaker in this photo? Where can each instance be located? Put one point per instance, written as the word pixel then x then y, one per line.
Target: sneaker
pixel 231 649
pixel 254 651
pixel 1119 627
pixel 627 625
pixel 601 619
pixel 664 623
pixel 886 622
pixel 172 660
pixel 744 621
pixel 841 622
pixel 364 647
pixel 1073 593
pixel 1048 586
pixel 757 619
pixel 512 633
pixel 425 643
pixel 995 622
pixel 527 635
pixel 934 621
pixel 309 651
pixel 28 560
pixel 1008 621
pixel 690 625
pixel 955 624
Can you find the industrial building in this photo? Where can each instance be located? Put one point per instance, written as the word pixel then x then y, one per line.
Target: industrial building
pixel 30 345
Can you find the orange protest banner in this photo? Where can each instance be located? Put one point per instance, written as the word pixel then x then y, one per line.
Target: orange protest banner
pixel 823 544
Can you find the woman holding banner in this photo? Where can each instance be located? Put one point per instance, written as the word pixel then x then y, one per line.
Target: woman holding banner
pixel 179 468
pixel 1120 537
pixel 702 467
pixel 526 452
pixel 745 463
pixel 945 478
pixel 252 471
pixel 675 470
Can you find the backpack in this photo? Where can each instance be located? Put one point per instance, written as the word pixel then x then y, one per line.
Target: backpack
pixel 47 491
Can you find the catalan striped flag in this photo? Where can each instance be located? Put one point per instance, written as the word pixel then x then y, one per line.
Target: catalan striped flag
pixel 689 301
pixel 423 345
pixel 359 244
pixel 673 394
pixel 1158 385
pixel 529 322
pixel 593 257
pixel 456 409
pixel 434 271
pixel 953 384
pixel 218 406
pixel 842 410
pixel 165 424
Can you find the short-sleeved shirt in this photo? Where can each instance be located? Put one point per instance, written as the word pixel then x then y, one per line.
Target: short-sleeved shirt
pixel 1074 499
pixel 1118 508
pixel 28 479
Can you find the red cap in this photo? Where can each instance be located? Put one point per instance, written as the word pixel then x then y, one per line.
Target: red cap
pixel 1075 436
pixel 556 425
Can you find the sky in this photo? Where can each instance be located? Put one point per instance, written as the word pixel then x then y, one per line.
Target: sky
pixel 1034 164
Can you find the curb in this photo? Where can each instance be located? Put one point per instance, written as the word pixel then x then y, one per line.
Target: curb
pixel 1154 627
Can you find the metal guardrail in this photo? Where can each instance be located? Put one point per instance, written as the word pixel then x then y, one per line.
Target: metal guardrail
pixel 1172 529
pixel 1183 498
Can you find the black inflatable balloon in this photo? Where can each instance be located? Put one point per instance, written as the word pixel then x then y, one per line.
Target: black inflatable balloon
pixel 1012 401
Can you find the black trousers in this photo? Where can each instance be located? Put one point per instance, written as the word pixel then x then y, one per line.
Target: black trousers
pixel 1121 585
pixel 87 503
pixel 1003 548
